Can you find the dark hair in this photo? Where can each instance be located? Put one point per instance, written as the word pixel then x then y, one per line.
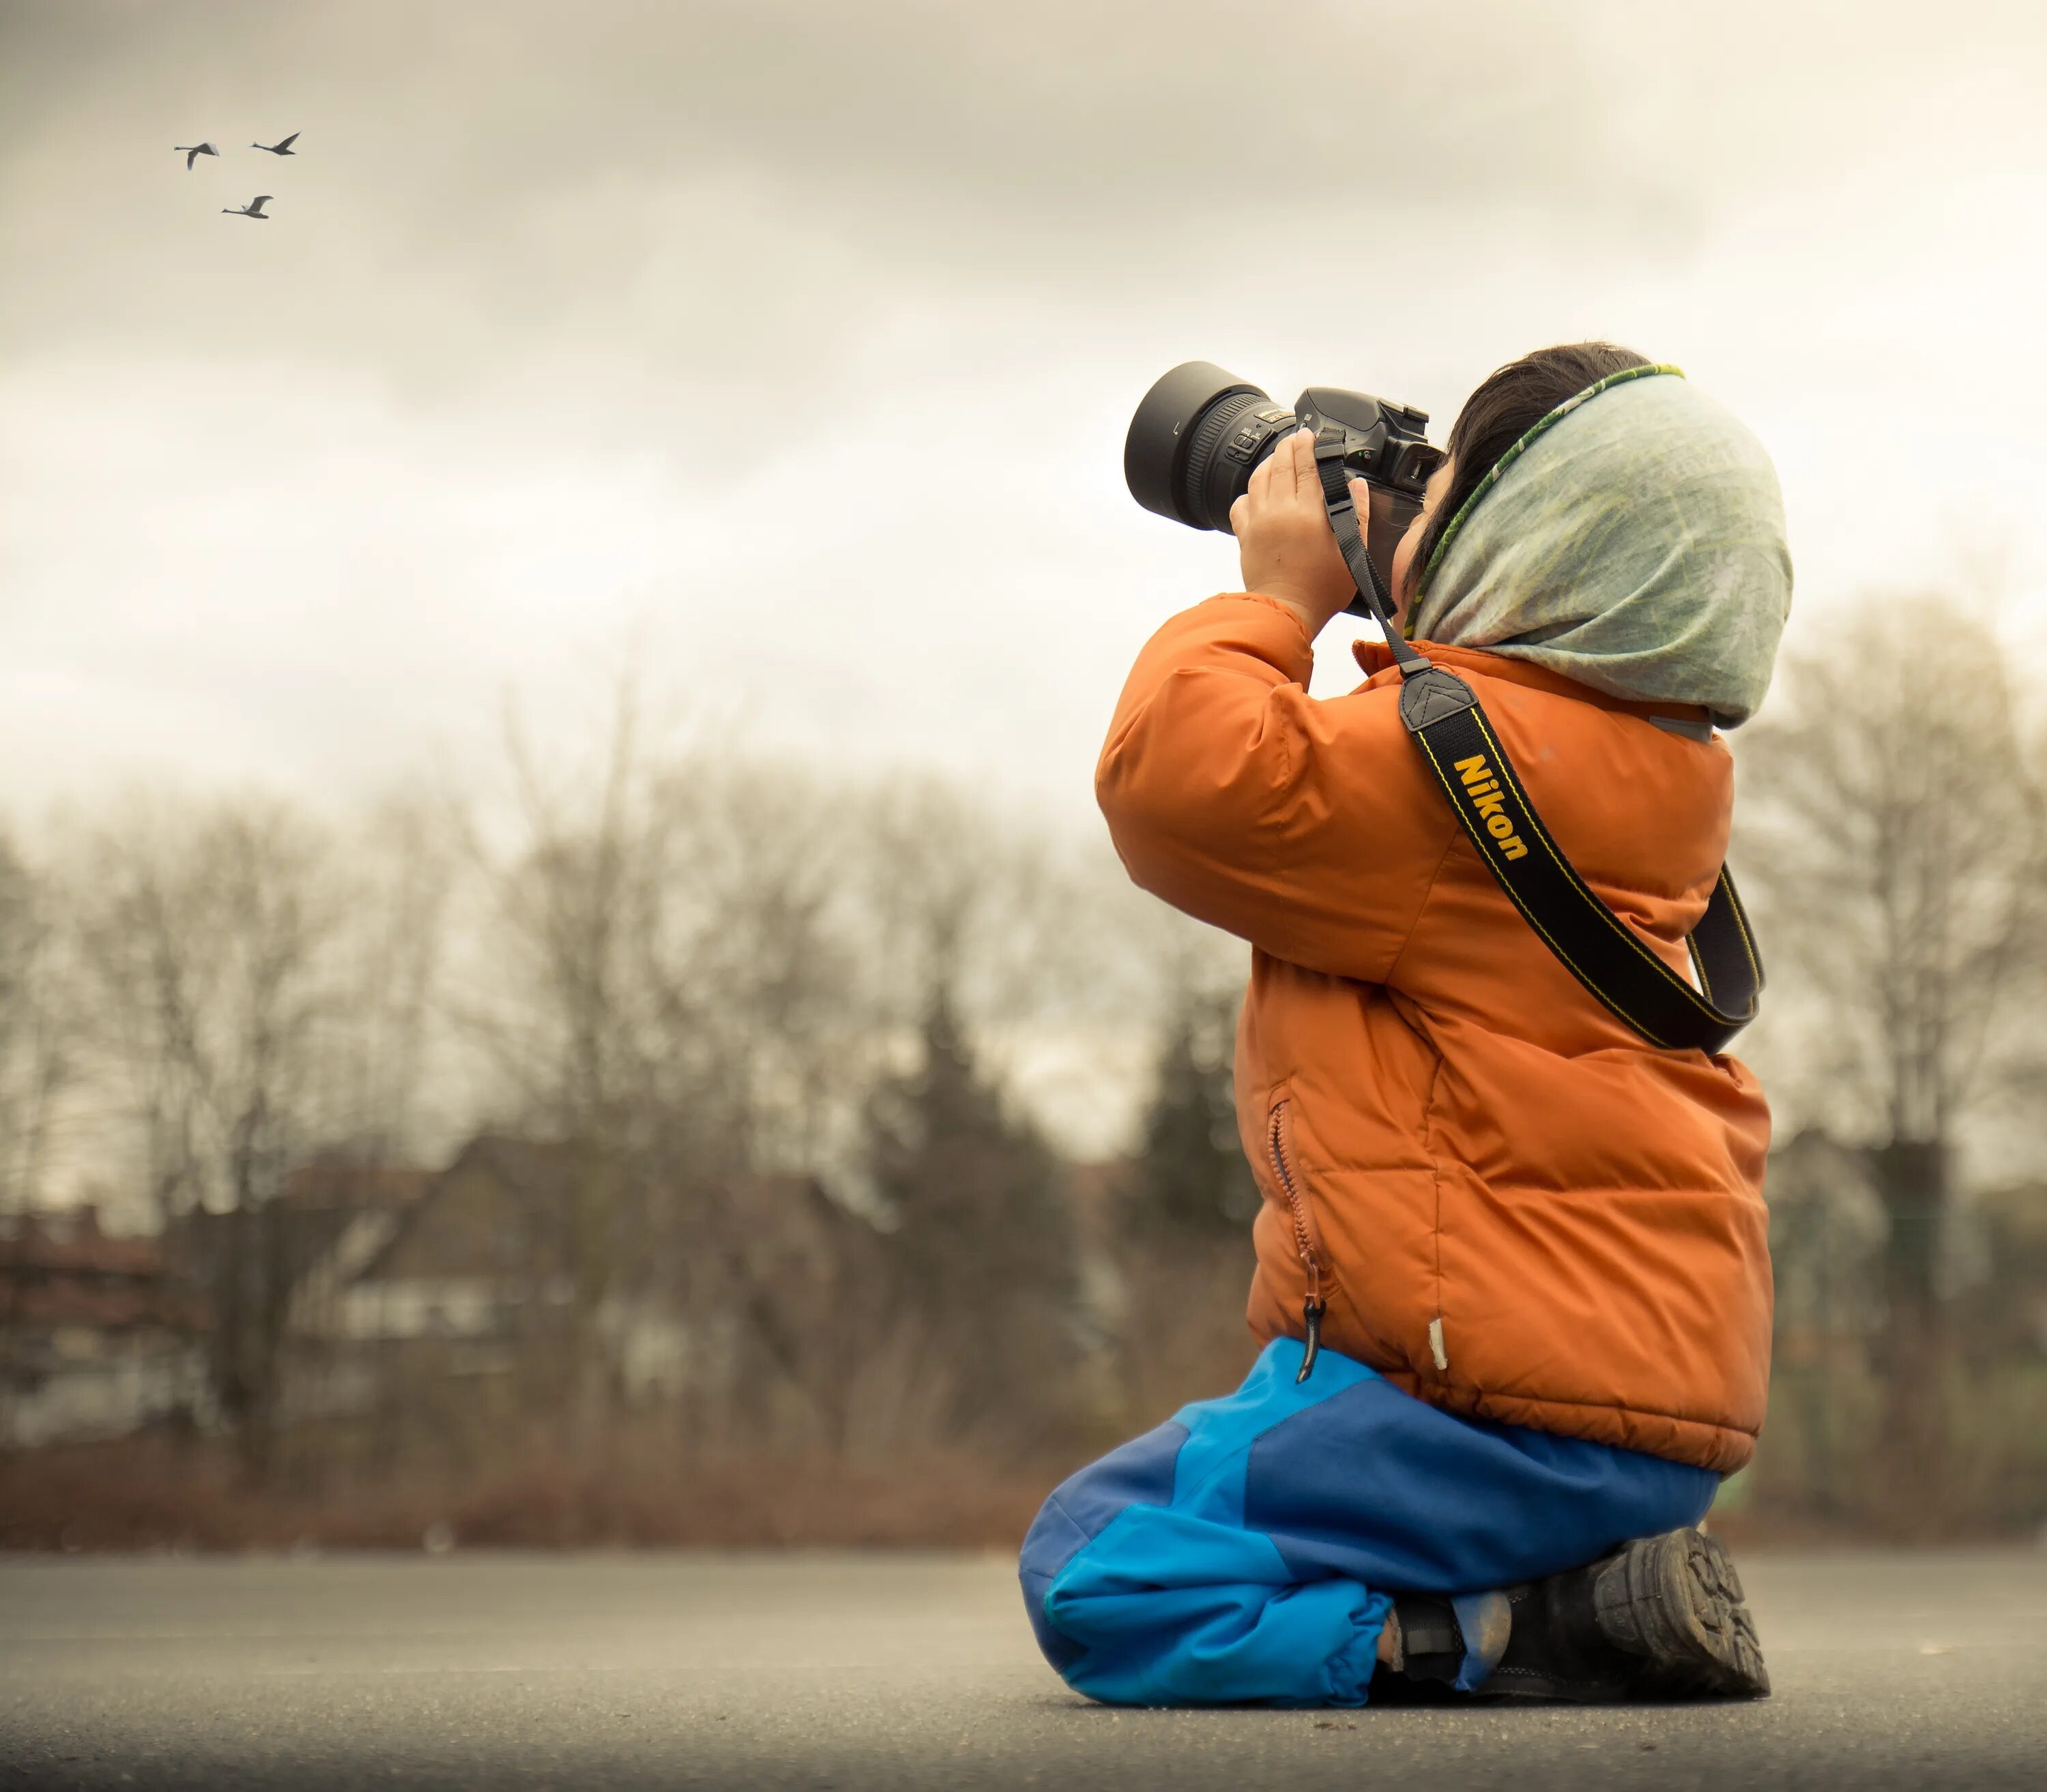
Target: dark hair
pixel 1510 401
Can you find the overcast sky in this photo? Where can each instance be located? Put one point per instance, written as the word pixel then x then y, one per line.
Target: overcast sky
pixel 783 353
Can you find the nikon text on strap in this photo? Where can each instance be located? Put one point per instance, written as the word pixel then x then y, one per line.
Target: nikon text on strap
pixel 1449 724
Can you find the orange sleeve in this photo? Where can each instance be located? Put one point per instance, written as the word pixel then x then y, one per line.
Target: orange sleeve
pixel 1304 827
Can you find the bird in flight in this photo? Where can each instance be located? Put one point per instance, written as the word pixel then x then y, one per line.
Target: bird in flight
pixel 253 208
pixel 192 152
pixel 283 148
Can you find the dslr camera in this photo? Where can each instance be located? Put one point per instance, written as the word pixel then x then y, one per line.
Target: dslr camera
pixel 1200 432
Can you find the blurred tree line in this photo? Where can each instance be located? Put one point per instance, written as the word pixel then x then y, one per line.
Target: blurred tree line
pixel 753 1061
pixel 1893 826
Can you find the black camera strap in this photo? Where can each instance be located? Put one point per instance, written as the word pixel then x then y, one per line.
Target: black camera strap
pixel 1448 724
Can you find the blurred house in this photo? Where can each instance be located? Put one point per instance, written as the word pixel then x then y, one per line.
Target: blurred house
pixel 466 1275
pixel 452 1258
pixel 99 1335
pixel 524 1256
pixel 531 1277
pixel 332 1221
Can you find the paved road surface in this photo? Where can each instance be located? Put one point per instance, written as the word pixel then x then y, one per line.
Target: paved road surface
pixel 613 1671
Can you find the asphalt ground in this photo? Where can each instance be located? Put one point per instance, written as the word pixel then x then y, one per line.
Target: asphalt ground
pixel 895 1671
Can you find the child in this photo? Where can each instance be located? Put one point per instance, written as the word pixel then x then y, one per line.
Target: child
pixel 1512 1272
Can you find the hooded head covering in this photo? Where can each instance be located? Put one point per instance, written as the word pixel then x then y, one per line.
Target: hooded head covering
pixel 1632 540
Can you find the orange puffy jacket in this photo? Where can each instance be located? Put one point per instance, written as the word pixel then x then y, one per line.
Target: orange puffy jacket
pixel 1511 1206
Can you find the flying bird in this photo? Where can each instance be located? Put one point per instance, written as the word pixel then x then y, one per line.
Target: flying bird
pixel 280 148
pixel 192 152
pixel 253 208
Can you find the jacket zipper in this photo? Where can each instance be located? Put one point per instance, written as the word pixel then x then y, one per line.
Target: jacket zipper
pixel 1313 1307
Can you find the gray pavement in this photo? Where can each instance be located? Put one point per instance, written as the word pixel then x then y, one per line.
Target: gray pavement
pixel 914 1671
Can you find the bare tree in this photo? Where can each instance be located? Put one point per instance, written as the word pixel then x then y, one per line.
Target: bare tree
pixel 397 874
pixel 37 1058
pixel 756 962
pixel 557 1006
pixel 701 968
pixel 206 933
pixel 670 991
pixel 1896 833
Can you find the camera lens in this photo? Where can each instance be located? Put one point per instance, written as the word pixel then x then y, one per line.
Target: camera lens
pixel 1193 442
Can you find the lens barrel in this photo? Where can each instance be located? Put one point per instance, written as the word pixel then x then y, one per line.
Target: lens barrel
pixel 1195 440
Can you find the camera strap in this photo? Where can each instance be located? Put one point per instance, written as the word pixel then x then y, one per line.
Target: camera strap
pixel 1443 714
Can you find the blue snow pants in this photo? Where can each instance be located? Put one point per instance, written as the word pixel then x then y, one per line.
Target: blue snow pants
pixel 1246 1552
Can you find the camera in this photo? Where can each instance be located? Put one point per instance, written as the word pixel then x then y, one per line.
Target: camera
pixel 1200 432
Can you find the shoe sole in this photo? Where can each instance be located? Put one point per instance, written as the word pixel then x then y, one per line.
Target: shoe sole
pixel 1675 1601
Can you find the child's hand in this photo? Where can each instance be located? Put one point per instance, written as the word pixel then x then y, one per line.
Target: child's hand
pixel 1284 545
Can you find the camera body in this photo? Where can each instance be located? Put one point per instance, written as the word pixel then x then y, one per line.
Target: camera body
pixel 1200 432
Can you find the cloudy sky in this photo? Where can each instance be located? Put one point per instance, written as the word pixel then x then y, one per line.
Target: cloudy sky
pixel 781 354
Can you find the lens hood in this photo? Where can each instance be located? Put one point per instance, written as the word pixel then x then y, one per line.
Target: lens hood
pixel 1155 453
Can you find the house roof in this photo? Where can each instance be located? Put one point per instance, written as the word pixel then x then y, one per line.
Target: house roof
pixel 70 1239
pixel 540 1175
pixel 764 1227
pixel 356 1186
pixel 57 1268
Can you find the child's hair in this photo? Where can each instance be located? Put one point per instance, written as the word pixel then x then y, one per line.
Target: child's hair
pixel 1509 403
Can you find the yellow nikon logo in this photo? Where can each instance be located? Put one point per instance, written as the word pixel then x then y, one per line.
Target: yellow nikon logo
pixel 1482 789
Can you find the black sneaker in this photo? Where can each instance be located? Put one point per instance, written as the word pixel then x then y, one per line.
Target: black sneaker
pixel 1662 1617
pixel 1676 1602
